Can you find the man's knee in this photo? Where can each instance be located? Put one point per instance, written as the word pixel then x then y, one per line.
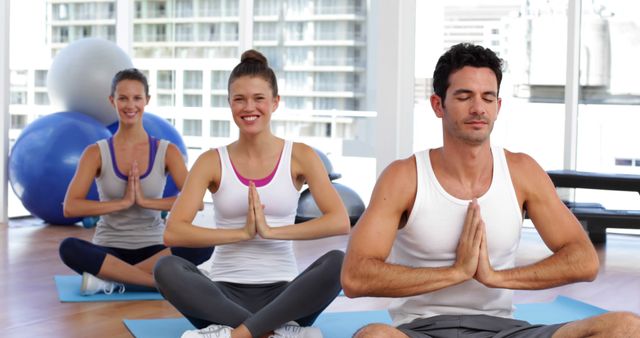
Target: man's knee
pixel 610 325
pixel 379 331
pixel 622 320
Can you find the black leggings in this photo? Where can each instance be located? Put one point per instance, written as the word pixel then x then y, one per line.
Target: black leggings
pixel 82 256
pixel 260 307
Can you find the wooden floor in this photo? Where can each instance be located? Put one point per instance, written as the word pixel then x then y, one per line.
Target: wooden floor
pixel 29 306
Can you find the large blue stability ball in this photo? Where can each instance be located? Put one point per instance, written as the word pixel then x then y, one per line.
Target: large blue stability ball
pixel 160 128
pixel 44 159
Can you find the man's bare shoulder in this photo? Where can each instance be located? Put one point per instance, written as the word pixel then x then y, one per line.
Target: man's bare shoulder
pixel 402 170
pixel 526 174
pixel 521 162
pixel 396 185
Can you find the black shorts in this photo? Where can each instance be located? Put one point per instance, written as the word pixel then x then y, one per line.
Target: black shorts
pixel 476 326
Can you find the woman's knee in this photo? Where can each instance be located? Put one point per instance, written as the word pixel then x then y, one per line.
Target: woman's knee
pixel 334 259
pixel 70 250
pixel 167 267
pixel 68 247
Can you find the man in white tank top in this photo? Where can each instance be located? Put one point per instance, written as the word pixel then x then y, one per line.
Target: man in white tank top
pixel 446 223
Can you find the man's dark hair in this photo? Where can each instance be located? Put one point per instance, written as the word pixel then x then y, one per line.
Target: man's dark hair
pixel 459 56
pixel 130 74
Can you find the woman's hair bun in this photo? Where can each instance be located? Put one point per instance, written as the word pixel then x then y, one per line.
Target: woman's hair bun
pixel 253 56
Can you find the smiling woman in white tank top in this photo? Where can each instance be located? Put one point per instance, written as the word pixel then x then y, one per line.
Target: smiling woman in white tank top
pixel 253 287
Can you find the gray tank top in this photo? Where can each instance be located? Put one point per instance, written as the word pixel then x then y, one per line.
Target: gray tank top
pixel 135 227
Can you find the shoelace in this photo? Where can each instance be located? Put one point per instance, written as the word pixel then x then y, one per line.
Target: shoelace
pixel 110 287
pixel 288 331
pixel 212 333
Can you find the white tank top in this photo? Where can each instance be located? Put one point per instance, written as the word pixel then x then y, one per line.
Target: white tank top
pixel 259 260
pixel 430 238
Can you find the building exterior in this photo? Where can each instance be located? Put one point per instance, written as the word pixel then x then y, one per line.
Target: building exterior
pixel 317 47
pixel 187 49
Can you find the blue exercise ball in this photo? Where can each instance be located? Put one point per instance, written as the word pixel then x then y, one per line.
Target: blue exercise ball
pixel 44 158
pixel 158 127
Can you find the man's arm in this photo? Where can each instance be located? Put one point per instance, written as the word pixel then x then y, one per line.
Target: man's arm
pixel 365 271
pixel 574 258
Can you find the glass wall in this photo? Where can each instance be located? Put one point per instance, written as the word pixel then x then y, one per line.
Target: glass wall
pixel 187 49
pixel 522 33
pixel 609 108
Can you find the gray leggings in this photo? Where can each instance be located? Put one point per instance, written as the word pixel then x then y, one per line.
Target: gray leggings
pixel 260 307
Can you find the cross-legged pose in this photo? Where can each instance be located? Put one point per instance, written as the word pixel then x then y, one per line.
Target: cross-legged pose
pixel 253 287
pixel 130 170
pixel 442 228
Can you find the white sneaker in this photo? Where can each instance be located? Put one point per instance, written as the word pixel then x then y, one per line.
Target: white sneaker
pixel 293 330
pixel 211 331
pixel 92 285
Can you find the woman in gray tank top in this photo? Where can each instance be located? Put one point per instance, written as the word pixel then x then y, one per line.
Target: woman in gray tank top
pixel 130 171
pixel 253 287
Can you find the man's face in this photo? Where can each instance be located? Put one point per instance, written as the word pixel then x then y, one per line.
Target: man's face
pixel 471 105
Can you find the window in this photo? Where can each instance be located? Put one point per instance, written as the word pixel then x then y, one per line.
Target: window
pixel 326 81
pixel 294 102
pixel 111 33
pixel 42 99
pixel 60 11
pixel 609 98
pixel 40 78
pixel 531 80
pixel 266 7
pixel 164 100
pixel 83 11
pixel 297 56
pixel 18 97
pixel 328 31
pixel 159 33
pixel 157 9
pixel 219 101
pixel 190 100
pixel 192 127
pixel 184 8
pixel 184 32
pixel 265 31
pixel 211 33
pixel 219 128
pixel 86 31
pixel 61 34
pixel 192 79
pixel 295 30
pixel 326 103
pixel 165 79
pixel 18 121
pixel 296 81
pixel 297 7
pixel 332 56
pixel 137 10
pixel 219 79
pixel 230 32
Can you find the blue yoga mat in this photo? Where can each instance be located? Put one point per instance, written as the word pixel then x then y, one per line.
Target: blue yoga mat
pixel 344 324
pixel 562 309
pixel 69 291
